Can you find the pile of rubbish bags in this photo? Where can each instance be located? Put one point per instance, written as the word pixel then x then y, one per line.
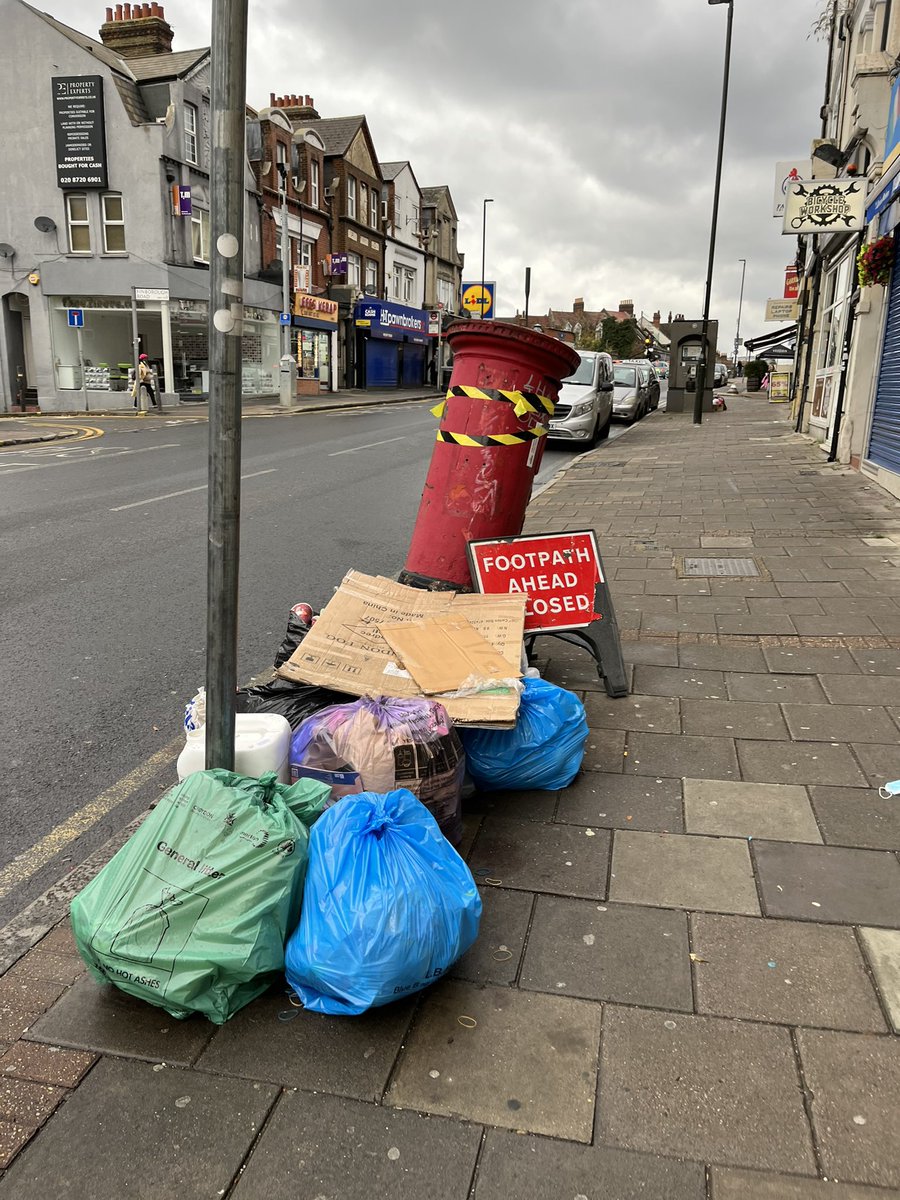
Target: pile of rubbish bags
pixel 328 857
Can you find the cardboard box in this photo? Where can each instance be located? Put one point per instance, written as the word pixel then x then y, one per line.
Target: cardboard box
pixel 344 650
pixel 445 654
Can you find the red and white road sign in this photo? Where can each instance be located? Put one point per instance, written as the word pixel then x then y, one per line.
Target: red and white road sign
pixel 559 572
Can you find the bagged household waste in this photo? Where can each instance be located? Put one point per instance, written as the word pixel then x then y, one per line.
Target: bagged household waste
pixel 545 749
pixel 388 906
pixel 193 912
pixel 376 745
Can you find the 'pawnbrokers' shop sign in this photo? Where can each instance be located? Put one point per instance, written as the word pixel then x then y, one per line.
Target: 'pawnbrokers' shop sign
pixel 80 131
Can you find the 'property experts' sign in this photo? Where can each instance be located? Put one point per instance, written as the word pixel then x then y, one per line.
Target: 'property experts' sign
pixel 78 122
pixel 560 573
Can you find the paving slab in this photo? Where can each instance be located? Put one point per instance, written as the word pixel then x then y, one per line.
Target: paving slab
pixel 23 1005
pixel 105 1020
pixel 757 625
pixel 521 806
pixel 162 1133
pixel 497 952
pixel 657 714
pixel 881 763
pixel 523 1060
pixel 861 689
pixel 28 1104
pixel 820 589
pixel 878 662
pixel 273 1041
pixel 722 658
pixel 778 689
pixel 836 626
pixel 524 855
pixel 786 972
pixel 608 801
pixel 656 653
pixel 46 1064
pixel 882 947
pixel 854 1081
pixel 810 660
pixel 727 808
pixel 857 817
pixel 542 1169
pixel 683 871
pixel 733 719
pixel 604 750
pixel 678 623
pixel 807 606
pixel 840 723
pixel 614 952
pixel 752 1185
pixel 713 604
pixel 828 883
pixel 799 763
pixel 675 756
pixel 679 681
pixel 328 1146
pixel 702 1088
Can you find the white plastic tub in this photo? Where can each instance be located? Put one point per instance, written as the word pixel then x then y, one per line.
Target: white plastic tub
pixel 262 742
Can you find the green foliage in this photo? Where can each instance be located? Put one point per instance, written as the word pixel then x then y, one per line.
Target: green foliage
pixel 622 339
pixel 756 368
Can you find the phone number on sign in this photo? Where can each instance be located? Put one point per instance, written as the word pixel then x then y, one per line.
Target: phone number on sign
pixel 67 179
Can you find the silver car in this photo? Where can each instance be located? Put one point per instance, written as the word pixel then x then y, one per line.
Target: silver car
pixel 584 410
pixel 631 394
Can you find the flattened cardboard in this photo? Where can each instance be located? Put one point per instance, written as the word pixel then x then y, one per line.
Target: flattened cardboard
pixel 444 653
pixel 345 651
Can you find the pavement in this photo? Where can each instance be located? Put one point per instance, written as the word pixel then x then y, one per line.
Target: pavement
pixel 687 983
pixel 54 427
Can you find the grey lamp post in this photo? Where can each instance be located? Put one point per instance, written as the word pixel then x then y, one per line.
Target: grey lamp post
pixel 702 364
pixel 483 234
pixel 737 332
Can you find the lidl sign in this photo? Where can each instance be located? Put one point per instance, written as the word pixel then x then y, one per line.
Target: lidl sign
pixel 479 301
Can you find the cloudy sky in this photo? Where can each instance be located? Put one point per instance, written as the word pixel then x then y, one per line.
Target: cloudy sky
pixel 591 123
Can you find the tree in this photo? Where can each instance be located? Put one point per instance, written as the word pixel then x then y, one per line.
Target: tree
pixel 622 339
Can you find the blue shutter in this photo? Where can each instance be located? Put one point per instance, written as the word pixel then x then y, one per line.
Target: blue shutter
pixel 884 438
pixel 382 363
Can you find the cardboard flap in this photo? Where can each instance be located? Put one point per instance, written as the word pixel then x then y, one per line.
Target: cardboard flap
pixel 446 653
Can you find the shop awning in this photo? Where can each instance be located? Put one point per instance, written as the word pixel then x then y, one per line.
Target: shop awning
pixel 780 343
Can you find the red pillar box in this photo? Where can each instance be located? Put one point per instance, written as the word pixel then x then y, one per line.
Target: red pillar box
pixel 504 386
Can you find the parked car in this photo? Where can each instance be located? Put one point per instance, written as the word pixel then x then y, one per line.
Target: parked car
pixel 720 377
pixel 649 377
pixel 631 392
pixel 584 410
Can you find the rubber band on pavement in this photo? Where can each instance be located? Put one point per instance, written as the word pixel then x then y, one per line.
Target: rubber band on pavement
pixel 467 1022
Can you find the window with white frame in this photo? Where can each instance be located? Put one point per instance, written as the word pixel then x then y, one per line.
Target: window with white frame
pixel 409 285
pixel 78 224
pixel 351 196
pixel 397 282
pixel 306 253
pixel 190 133
pixel 363 202
pixel 113 223
pixel 373 209
pixel 200 235
pixel 371 277
pixel 354 267
pixel 280 163
pixel 314 182
pixel 445 294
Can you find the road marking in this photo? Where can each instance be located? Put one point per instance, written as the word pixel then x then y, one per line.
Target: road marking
pixel 185 492
pixel 30 861
pixel 82 454
pixel 368 446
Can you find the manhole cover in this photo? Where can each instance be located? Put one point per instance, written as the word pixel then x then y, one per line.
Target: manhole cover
pixel 720 566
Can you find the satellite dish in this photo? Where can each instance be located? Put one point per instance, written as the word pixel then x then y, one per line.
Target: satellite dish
pixel 45 224
pixel 6 250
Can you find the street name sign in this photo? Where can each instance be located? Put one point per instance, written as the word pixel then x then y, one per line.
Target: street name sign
pixel 151 293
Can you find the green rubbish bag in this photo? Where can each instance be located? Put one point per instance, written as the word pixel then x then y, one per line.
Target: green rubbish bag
pixel 193 912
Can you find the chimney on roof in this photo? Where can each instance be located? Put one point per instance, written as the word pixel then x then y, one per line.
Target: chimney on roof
pixel 578 306
pixel 295 108
pixel 627 306
pixel 137 30
pixel 657 317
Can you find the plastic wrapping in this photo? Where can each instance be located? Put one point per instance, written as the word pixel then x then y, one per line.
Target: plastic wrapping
pixel 376 745
pixel 193 912
pixel 543 752
pixel 388 907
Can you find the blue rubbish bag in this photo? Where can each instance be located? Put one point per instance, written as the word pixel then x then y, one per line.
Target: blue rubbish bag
pixel 544 750
pixel 388 905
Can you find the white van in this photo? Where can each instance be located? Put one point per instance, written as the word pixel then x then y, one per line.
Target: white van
pixel 584 410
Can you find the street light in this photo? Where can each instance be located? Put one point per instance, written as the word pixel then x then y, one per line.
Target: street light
pixel 701 365
pixel 483 233
pixel 737 332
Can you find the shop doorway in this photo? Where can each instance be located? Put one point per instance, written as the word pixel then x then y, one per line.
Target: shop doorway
pixel 19 353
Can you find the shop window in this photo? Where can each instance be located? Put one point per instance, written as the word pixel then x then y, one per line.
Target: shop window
pixel 373 209
pixel 190 133
pixel 78 224
pixel 113 223
pixel 409 285
pixel 314 183
pixel 371 277
pixel 397 281
pixel 351 196
pixel 200 235
pixel 363 202
pixel 354 264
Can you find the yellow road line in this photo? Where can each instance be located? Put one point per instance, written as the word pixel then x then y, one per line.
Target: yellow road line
pixel 84 433
pixel 29 862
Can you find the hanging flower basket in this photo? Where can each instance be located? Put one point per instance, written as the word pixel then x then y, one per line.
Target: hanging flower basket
pixel 875 260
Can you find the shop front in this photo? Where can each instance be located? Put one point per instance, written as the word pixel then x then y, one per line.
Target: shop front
pixel 837 287
pixel 391 345
pixel 315 323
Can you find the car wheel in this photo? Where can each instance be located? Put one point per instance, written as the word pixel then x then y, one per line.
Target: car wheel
pixel 603 432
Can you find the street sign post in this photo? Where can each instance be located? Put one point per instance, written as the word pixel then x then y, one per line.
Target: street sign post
pixel 568 596
pixel 76 322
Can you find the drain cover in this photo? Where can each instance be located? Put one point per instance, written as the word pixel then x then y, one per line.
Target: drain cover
pixel 720 566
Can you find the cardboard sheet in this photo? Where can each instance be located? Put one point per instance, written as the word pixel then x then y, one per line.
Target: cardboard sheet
pixel 344 650
pixel 445 653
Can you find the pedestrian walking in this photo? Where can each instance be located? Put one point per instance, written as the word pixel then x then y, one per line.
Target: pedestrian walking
pixel 145 381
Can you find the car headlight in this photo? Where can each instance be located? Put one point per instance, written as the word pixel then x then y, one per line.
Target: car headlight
pixel 581 410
